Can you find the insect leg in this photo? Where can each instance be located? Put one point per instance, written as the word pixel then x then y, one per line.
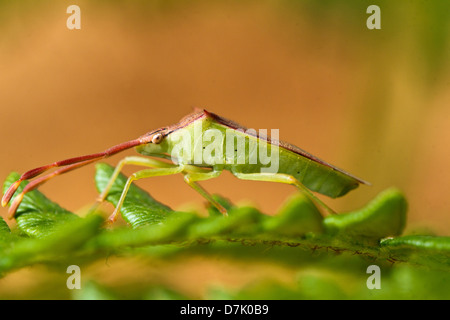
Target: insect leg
pixel 191 177
pixel 282 178
pixel 139 161
pixel 146 173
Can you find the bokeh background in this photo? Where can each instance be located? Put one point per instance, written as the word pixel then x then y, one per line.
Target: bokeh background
pixel 373 102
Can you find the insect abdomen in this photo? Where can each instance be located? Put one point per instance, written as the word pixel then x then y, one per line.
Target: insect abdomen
pixel 316 176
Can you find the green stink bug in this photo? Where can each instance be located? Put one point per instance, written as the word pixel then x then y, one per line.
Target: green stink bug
pixel 200 146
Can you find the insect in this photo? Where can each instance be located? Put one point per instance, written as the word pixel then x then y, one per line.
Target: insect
pixel 205 131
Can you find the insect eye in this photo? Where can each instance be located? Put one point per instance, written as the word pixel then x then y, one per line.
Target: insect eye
pixel 157 138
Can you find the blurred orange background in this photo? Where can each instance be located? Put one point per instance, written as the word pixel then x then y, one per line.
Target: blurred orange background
pixel 373 102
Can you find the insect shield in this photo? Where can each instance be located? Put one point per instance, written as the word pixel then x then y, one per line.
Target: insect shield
pixel 223 146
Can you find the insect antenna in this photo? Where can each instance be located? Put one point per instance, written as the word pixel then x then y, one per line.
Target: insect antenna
pixel 67 165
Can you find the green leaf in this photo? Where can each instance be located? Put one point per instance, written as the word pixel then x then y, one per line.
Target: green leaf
pixel 36 215
pixel 424 250
pixel 173 229
pixel 297 216
pixel 431 243
pixel 139 208
pixel 240 221
pixel 5 234
pixel 162 293
pixel 61 243
pixel 383 217
pixel 91 290
pixel 289 238
pixel 4 229
pixel 213 211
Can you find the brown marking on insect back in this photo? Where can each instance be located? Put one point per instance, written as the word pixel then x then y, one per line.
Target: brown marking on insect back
pixel 184 122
